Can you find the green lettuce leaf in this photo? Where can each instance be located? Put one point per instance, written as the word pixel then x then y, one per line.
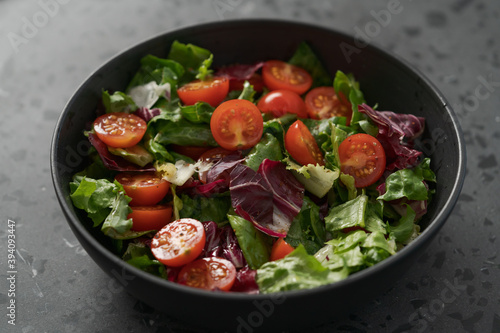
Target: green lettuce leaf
pixel 268 147
pixel 349 214
pixel 140 256
pixel 306 58
pixel 407 183
pixel 199 113
pixel 206 209
pixel 253 243
pixel 405 228
pixel 316 178
pixel 298 270
pixel 136 154
pixel 118 102
pixel 307 228
pixel 191 57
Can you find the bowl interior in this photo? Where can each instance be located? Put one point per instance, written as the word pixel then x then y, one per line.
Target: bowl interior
pixel 384 79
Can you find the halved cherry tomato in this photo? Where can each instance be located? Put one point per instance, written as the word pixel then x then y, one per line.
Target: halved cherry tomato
pixel 119 129
pixel 190 151
pixel 278 74
pixel 179 242
pixel 363 157
pixel 280 249
pixel 208 273
pixel 255 80
pixel 212 155
pixel 145 188
pixel 280 102
pixel 323 103
pixel 237 124
pixel 212 91
pixel 301 145
pixel 146 218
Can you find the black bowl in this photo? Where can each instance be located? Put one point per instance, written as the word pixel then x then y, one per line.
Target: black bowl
pixel 384 79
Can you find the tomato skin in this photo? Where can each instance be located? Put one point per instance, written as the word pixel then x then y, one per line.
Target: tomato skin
pixel 193 152
pixel 280 102
pixel 145 188
pixel 363 157
pixel 280 249
pixel 179 242
pixel 301 145
pixel 323 103
pixel 255 80
pixel 212 91
pixel 208 273
pixel 278 74
pixel 150 217
pixel 237 124
pixel 120 129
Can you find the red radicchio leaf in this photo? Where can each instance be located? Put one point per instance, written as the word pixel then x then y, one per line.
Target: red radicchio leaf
pixel 113 162
pixel 245 281
pixel 147 114
pixel 238 71
pixel 396 131
pixel 269 198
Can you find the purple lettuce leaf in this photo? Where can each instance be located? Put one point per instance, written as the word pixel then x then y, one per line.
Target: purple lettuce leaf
pixel 222 168
pixel 270 198
pixel 396 132
pixel 230 248
pixel 245 281
pixel 251 197
pixel 239 71
pixel 288 191
pixel 113 162
pixel 147 114
pixel 213 246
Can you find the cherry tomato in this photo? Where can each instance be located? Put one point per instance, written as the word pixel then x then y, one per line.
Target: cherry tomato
pixel 190 151
pixel 301 145
pixel 146 218
pixel 363 157
pixel 280 102
pixel 323 103
pixel 212 155
pixel 208 273
pixel 237 124
pixel 212 91
pixel 281 75
pixel 255 80
pixel 179 242
pixel 145 188
pixel 280 249
pixel 119 129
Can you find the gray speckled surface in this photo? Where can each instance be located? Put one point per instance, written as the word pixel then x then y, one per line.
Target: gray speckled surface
pixel 453 287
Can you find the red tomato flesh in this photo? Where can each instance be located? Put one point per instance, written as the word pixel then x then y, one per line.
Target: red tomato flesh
pixel 280 102
pixel 281 75
pixel 146 218
pixel 119 129
pixel 208 273
pixel 145 188
pixel 212 91
pixel 363 157
pixel 179 242
pixel 301 145
pixel 237 124
pixel 280 249
pixel 323 103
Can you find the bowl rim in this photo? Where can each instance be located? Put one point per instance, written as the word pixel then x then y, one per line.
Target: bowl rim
pixel 434 225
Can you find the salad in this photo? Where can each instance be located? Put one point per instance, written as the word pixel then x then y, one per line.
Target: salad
pixel 254 178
